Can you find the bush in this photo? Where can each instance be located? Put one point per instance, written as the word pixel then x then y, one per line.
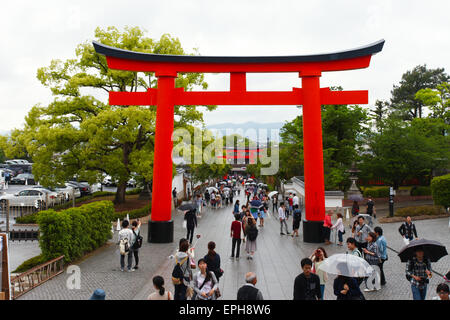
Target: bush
pixel 133 214
pixel 440 188
pixel 382 192
pixel 420 191
pixel 134 191
pixel 30 263
pixel 419 211
pixel 98 194
pixel 75 231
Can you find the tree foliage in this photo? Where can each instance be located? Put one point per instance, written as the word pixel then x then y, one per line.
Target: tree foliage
pixel 78 134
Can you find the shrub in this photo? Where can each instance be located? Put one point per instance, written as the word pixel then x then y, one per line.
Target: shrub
pixel 133 214
pixel 134 191
pixel 98 194
pixel 420 191
pixel 30 263
pixel 376 192
pixel 440 188
pixel 75 231
pixel 419 211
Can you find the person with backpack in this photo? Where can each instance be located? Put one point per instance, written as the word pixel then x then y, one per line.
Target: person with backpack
pixel 212 259
pixel 408 230
pixel 252 233
pixel 125 238
pixel 191 224
pixel 161 293
pixel 205 283
pixel 136 242
pixel 182 272
pixel 297 218
pixel 418 273
pixel 248 291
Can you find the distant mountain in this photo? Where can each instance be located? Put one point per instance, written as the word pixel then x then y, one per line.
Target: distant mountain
pixel 247 127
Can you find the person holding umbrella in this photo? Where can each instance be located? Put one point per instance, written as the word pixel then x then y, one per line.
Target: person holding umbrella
pixel 346 288
pixel 418 273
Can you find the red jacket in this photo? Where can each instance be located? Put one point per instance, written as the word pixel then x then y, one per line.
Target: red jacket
pixel 327 221
pixel 236 229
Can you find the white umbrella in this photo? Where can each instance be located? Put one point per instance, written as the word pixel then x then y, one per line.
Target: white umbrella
pixel 210 189
pixel 271 194
pixel 347 265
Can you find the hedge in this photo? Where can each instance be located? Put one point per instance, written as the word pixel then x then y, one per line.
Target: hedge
pixel 75 231
pixel 376 192
pixel 419 211
pixel 133 214
pixel 30 263
pixel 440 188
pixel 420 191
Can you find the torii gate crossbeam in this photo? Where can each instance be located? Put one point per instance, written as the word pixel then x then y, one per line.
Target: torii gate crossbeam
pixel 166 96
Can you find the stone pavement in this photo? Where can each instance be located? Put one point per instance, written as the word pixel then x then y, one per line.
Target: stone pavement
pixel 276 262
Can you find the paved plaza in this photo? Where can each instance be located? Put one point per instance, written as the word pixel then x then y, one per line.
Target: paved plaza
pixel 276 262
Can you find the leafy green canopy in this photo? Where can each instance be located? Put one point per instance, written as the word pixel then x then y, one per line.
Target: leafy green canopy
pixel 79 134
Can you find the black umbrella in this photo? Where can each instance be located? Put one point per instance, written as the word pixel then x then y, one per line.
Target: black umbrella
pixel 433 250
pixel 187 206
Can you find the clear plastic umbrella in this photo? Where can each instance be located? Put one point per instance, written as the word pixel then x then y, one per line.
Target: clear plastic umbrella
pixel 271 194
pixel 347 265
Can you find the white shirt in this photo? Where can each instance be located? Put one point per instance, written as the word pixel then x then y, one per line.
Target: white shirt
pixel 296 201
pixel 339 225
pixel 281 213
pixel 126 234
pixel 207 286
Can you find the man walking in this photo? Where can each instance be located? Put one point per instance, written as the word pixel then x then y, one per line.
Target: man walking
pixel 191 224
pixel 248 291
pixel 236 236
pixel 371 207
pixel 307 284
pixel 382 246
pixel 282 217
pixel 408 229
pixel 125 238
pixel 275 203
pixel 418 272
pixel 361 233
pixel 134 248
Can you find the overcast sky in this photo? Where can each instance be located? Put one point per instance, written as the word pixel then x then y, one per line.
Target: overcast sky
pixel 416 32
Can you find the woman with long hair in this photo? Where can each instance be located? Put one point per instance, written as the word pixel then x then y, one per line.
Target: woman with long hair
pixel 205 283
pixel 372 256
pixel 339 226
pixel 212 259
pixel 161 293
pixel 318 257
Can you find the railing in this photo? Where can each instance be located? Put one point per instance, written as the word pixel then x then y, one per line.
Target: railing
pixel 19 235
pixel 30 279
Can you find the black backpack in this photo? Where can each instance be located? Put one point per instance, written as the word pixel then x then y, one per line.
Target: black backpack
pixel 252 234
pixel 138 242
pixel 177 273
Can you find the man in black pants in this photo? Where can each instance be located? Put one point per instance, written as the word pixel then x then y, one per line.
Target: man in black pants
pixel 191 224
pixel 135 227
pixel 307 284
pixel 236 229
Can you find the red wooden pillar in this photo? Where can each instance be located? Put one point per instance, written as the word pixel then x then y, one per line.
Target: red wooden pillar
pixel 313 159
pixel 161 224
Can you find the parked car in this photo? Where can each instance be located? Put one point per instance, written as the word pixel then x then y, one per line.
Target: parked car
pixel 26 198
pixel 109 182
pixel 53 197
pixel 76 188
pixel 85 188
pixel 132 183
pixel 23 178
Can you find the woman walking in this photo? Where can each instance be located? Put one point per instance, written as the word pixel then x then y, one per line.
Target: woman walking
pixel 205 283
pixel 372 256
pixel 182 258
pixel 318 257
pixel 355 208
pixel 236 207
pixel 212 259
pixel 191 224
pixel 161 293
pixel 252 233
pixel 339 226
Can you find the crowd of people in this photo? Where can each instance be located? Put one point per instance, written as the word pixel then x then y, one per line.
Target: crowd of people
pixel 200 280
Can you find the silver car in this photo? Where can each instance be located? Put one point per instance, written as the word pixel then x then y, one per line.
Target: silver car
pixel 25 198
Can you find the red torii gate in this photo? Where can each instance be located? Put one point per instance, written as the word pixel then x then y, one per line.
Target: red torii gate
pixel 166 96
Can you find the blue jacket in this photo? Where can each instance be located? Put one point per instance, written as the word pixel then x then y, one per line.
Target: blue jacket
pixel 382 247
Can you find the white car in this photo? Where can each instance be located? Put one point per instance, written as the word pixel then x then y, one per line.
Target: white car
pixel 25 198
pixel 53 197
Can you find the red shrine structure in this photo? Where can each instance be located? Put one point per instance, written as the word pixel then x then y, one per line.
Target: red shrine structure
pixel 311 96
pixel 244 155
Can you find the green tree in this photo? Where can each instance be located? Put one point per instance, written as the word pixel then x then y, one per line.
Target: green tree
pixel 78 134
pixel 404 101
pixel 379 114
pixel 438 100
